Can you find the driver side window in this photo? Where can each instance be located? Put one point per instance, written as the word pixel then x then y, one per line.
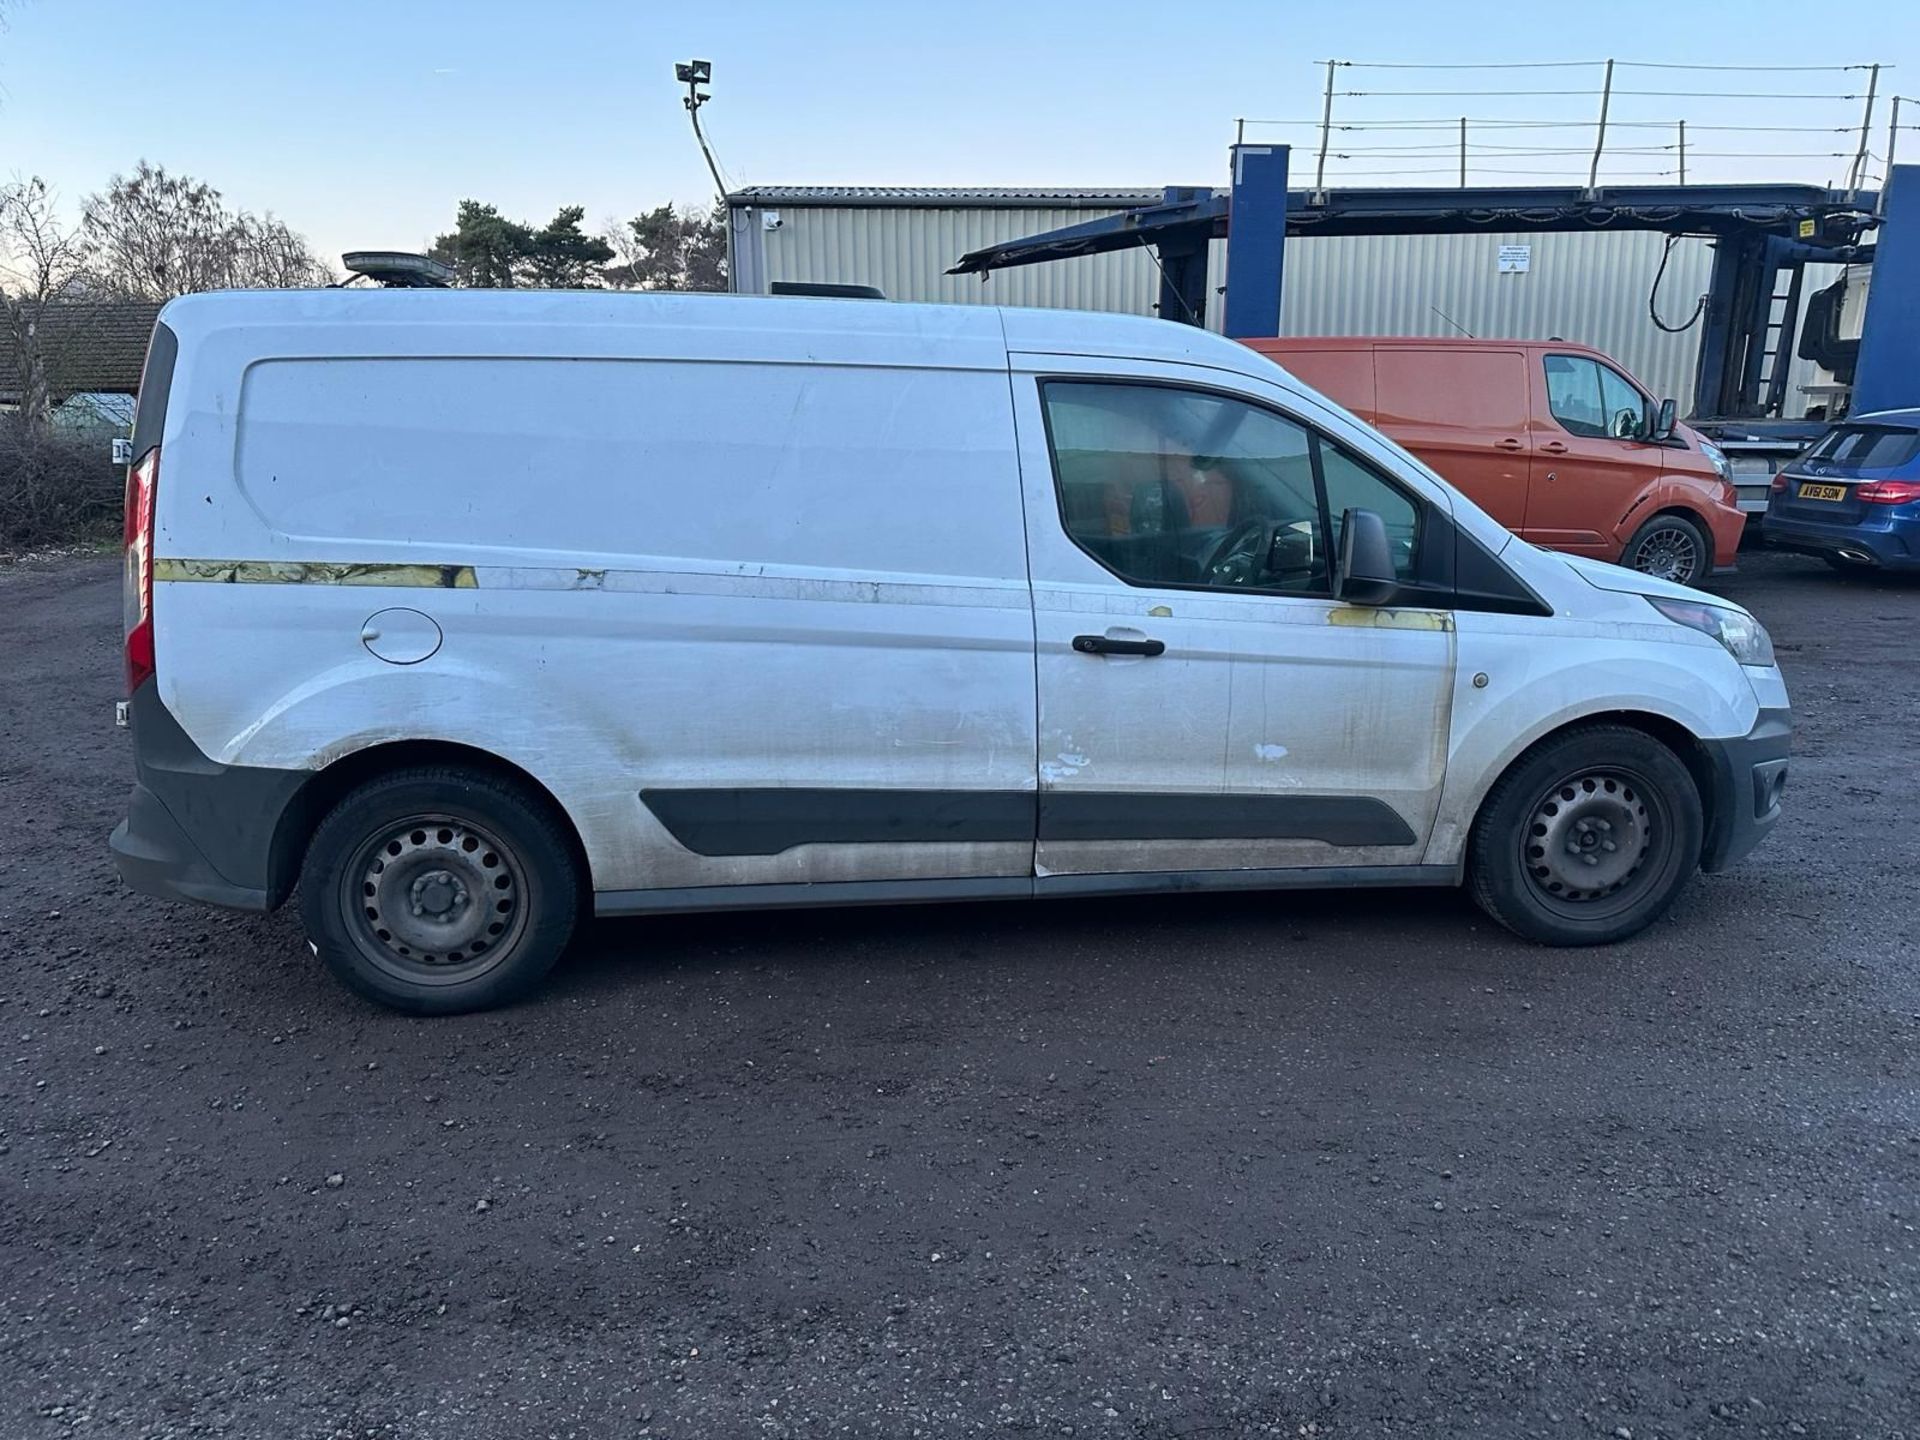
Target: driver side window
pixel 1626 407
pixel 1573 395
pixel 1594 400
pixel 1169 486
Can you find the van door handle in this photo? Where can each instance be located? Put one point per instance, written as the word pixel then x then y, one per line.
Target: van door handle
pixel 1508 444
pixel 1554 447
pixel 1108 645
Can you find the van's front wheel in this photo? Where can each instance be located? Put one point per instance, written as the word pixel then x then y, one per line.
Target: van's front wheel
pixel 438 891
pixel 1588 838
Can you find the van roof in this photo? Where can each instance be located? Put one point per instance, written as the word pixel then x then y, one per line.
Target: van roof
pixel 1424 342
pixel 743 326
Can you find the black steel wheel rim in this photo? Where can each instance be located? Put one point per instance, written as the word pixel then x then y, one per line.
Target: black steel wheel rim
pixel 434 899
pixel 1670 552
pixel 1595 841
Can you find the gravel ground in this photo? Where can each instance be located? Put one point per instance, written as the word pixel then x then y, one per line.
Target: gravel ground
pixel 1326 1165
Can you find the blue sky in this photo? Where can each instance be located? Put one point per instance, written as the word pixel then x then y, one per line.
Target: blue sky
pixel 364 124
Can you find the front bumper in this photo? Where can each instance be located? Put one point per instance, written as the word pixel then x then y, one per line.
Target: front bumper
pixel 1728 527
pixel 1748 775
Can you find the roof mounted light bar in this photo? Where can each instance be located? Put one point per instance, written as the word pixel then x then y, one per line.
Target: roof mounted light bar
pixel 399 269
pixel 826 290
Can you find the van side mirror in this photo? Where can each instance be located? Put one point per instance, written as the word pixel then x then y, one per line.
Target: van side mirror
pixel 1366 575
pixel 1664 422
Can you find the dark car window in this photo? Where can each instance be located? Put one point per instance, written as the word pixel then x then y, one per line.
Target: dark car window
pixel 1167 486
pixel 1171 485
pixel 1573 395
pixel 1594 400
pixel 1355 485
pixel 1626 407
pixel 1867 447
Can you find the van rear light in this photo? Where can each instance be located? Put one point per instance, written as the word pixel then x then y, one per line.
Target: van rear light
pixel 137 584
pixel 1888 492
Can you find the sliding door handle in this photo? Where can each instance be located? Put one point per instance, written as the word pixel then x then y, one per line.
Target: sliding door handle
pixel 1108 645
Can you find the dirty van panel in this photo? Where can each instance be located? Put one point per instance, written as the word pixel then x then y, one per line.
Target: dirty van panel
pixel 1205 701
pixel 1463 410
pixel 650 576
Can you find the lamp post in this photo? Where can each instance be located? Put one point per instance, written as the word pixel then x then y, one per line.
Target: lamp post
pixel 693 74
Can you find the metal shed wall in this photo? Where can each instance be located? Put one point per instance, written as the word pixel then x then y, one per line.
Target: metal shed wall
pixel 905 250
pixel 1590 287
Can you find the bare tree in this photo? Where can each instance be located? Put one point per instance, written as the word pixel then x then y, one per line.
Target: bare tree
pixel 272 256
pixel 669 249
pixel 629 255
pixel 41 264
pixel 151 236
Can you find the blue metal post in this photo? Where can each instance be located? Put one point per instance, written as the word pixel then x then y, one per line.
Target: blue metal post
pixel 1256 240
pixel 1887 376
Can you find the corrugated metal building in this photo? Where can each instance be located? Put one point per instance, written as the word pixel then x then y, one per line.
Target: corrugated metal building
pixel 903 240
pixel 1588 286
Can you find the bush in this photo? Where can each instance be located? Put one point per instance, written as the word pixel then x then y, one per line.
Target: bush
pixel 56 489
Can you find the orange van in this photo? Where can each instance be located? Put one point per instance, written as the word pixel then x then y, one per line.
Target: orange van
pixel 1554 440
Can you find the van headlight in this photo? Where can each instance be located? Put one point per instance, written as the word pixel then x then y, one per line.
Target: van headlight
pixel 1718 459
pixel 1746 638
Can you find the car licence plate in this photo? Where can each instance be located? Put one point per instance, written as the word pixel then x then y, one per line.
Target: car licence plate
pixel 1823 492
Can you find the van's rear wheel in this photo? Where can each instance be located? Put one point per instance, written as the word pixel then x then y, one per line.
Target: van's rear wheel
pixel 437 891
pixel 1588 838
pixel 1670 547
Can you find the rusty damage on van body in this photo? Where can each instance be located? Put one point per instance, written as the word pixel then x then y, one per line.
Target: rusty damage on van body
pixel 1363 617
pixel 316 572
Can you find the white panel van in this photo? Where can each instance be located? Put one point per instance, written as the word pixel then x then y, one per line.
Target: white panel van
pixel 465 614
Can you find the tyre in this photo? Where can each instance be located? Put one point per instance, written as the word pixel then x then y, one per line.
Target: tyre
pixel 436 891
pixel 1588 838
pixel 1671 547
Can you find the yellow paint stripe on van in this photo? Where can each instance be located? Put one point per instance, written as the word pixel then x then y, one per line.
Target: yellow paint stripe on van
pixel 1369 618
pixel 317 572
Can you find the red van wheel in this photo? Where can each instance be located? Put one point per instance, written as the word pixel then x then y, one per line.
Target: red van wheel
pixel 1670 547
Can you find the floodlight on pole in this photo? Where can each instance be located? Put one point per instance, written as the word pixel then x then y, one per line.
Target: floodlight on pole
pixel 693 74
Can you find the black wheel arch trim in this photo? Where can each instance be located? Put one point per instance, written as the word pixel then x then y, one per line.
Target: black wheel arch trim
pixel 236 835
pixel 200 830
pixel 1723 771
